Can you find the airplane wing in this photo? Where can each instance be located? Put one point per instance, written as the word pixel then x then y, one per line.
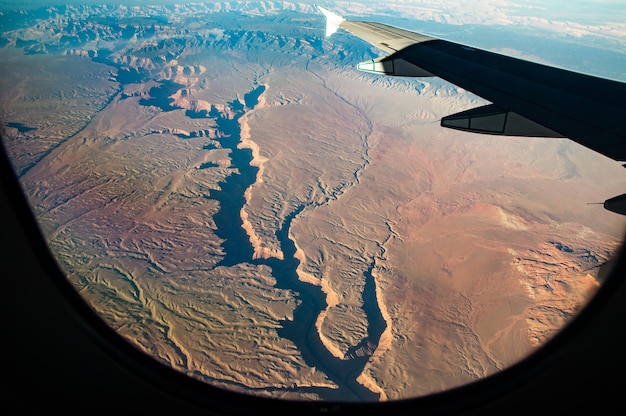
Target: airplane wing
pixel 528 99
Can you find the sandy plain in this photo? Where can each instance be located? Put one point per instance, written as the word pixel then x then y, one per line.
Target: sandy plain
pixel 481 248
pixel 466 235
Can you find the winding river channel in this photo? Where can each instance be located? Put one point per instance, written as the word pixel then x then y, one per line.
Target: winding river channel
pixel 311 300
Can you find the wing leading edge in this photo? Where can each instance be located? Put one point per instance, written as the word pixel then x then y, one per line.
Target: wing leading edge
pixel 528 99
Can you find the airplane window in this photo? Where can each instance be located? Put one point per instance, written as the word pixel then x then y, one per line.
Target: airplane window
pixel 222 186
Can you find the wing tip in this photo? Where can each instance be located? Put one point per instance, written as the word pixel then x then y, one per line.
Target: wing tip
pixel 333 20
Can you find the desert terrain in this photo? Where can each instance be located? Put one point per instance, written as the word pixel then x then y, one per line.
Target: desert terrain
pixel 247 208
